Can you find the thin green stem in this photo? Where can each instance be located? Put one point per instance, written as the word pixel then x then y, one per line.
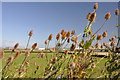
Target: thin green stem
pixel 28 42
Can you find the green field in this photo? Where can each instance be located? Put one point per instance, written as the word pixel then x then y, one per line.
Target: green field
pixel 42 63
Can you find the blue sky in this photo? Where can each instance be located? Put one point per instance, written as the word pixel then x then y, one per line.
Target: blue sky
pixel 51 17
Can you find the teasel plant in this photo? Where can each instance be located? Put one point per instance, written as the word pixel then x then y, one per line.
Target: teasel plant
pixel 30 35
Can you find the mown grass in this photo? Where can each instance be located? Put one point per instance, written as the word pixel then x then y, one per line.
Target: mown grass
pixel 42 63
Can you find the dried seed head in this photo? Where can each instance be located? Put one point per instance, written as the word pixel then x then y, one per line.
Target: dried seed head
pixel 34 63
pixel 113 38
pixel 62 32
pixel 31 33
pixel 88 16
pixel 73 32
pixel 64 35
pixel 1 53
pixel 68 34
pixel 66 52
pixel 62 56
pixel 74 39
pixel 50 37
pixel 114 48
pixel 101 46
pixel 58 36
pixel 90 32
pixel 80 44
pixel 104 34
pixel 26 62
pixel 112 44
pixel 97 44
pixel 99 37
pixel 38 67
pixel 72 47
pixel 68 40
pixel 16 45
pixel 96 6
pixel 16 54
pixel 58 44
pixel 9 59
pixel 92 17
pixel 34 45
pixel 27 53
pixel 110 39
pixel 86 41
pixel 46 41
pixel 107 16
pixel 117 12
pixel 53 49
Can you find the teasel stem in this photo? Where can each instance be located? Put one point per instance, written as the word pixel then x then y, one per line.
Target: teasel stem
pixel 28 42
pixel 101 27
pixel 65 46
pixel 118 28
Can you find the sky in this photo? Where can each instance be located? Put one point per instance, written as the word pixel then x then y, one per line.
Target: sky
pixel 44 18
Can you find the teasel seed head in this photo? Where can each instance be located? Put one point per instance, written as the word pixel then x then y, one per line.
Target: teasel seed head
pixel 31 33
pixel 50 37
pixel 90 32
pixel 27 53
pixel 88 16
pixel 96 6
pixel 74 39
pixel 112 44
pixel 10 58
pixel 16 54
pixel 55 59
pixel 101 46
pixel 86 41
pixel 1 53
pixel 92 17
pixel 114 48
pixel 64 35
pixel 110 39
pixel 113 38
pixel 97 44
pixel 58 44
pixel 16 45
pixel 46 41
pixel 62 56
pixel 80 44
pixel 105 44
pixel 58 36
pixel 68 34
pixel 66 52
pixel 68 40
pixel 38 67
pixel 73 32
pixel 34 63
pixel 99 37
pixel 117 12
pixel 104 34
pixel 62 32
pixel 72 47
pixel 34 45
pixel 107 16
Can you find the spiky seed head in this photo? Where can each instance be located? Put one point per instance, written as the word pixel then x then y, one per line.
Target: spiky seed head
pixel 16 54
pixel 34 45
pixel 73 32
pixel 99 37
pixel 58 36
pixel 46 41
pixel 72 47
pixel 64 35
pixel 114 48
pixel 96 6
pixel 80 44
pixel 110 39
pixel 92 17
pixel 101 46
pixel 10 58
pixel 68 40
pixel 112 44
pixel 104 34
pixel 38 67
pixel 88 16
pixel 58 44
pixel 55 59
pixel 117 12
pixel 107 16
pixel 50 37
pixel 90 32
pixel 62 32
pixel 66 52
pixel 113 38
pixel 53 49
pixel 27 53
pixel 31 33
pixel 68 34
pixel 97 44
pixel 16 45
pixel 1 53
pixel 74 39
